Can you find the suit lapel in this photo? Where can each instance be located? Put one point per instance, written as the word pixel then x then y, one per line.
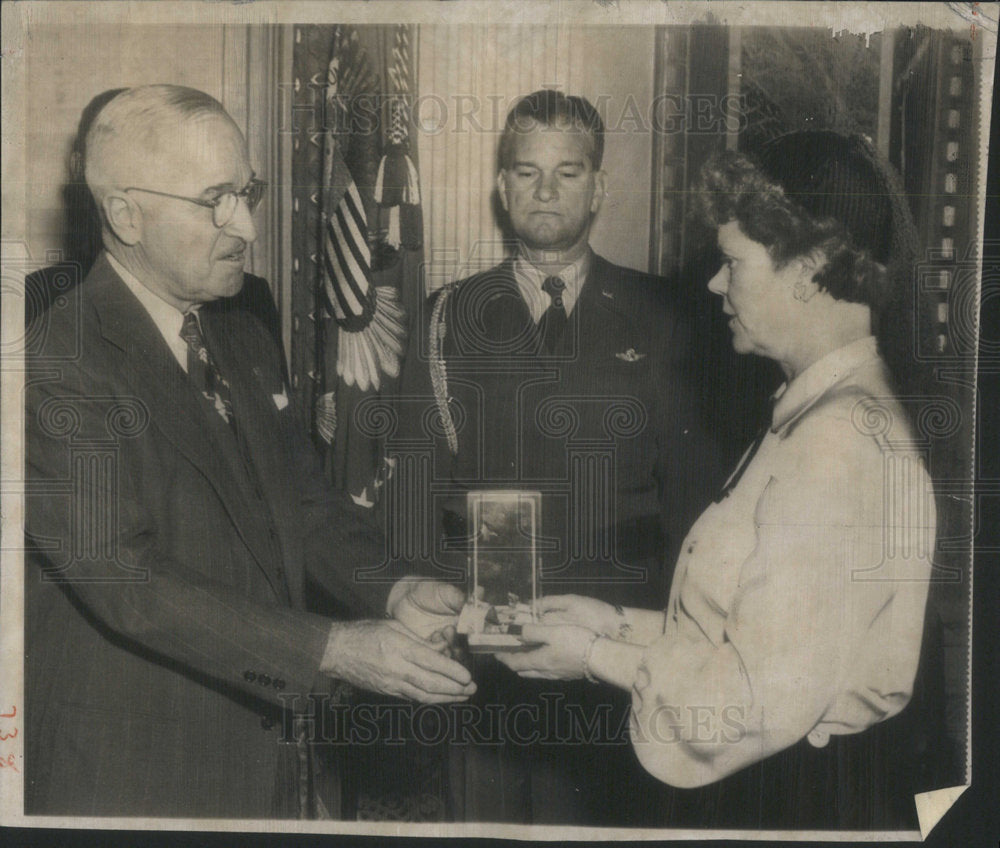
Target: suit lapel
pixel 491 316
pixel 599 318
pixel 174 407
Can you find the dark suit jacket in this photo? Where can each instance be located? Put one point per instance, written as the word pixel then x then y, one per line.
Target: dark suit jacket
pixel 164 615
pixel 608 427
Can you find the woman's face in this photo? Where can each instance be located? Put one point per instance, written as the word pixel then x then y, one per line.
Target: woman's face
pixel 758 296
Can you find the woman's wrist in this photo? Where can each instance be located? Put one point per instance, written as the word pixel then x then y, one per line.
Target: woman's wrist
pixel 620 627
pixel 587 673
pixel 613 662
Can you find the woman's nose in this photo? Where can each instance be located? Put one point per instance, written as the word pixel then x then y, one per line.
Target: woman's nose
pixel 719 284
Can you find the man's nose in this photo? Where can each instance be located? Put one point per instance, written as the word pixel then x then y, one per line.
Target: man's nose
pixel 719 284
pixel 241 225
pixel 547 188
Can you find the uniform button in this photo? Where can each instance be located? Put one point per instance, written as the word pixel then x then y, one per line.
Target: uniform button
pixel 279 684
pixel 264 680
pixel 249 676
pixel 266 722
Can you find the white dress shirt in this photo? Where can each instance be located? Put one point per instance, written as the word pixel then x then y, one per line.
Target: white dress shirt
pixel 529 282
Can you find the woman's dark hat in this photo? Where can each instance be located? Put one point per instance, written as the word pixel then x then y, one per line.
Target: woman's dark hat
pixel 842 177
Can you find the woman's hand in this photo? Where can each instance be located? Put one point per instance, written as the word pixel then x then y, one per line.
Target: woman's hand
pixel 591 613
pixel 561 653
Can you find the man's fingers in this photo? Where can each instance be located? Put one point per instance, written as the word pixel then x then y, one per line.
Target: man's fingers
pixel 450 597
pixel 443 639
pixel 414 693
pixel 429 683
pixel 436 598
pixel 428 659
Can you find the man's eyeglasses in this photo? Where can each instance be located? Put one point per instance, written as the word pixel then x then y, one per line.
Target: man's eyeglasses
pixel 223 205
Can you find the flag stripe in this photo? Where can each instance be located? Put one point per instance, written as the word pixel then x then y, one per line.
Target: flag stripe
pixel 353 218
pixel 352 202
pixel 334 295
pixel 348 294
pixel 354 267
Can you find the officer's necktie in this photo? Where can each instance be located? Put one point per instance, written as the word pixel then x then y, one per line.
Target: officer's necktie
pixel 554 320
pixel 202 369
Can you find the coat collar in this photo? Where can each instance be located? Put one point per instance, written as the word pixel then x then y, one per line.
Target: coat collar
pixel 794 399
pixel 602 287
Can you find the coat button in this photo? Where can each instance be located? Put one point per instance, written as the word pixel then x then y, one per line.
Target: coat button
pixel 279 684
pixel 264 680
pixel 266 722
pixel 249 676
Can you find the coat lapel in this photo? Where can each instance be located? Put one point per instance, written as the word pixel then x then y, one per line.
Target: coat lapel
pixel 491 318
pixel 175 409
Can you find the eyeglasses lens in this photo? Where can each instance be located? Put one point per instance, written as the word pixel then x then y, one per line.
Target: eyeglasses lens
pixel 224 210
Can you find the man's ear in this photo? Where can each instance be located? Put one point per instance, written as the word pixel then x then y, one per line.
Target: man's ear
pixel 123 216
pixel 600 191
pixel 502 188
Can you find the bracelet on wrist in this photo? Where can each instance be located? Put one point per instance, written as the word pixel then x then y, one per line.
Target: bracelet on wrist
pixel 586 658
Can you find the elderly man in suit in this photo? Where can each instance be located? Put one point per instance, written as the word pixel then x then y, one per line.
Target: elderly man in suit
pixel 175 510
pixel 561 372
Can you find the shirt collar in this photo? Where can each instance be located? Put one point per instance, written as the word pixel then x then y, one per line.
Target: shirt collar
pixel 793 399
pixel 529 282
pixel 168 319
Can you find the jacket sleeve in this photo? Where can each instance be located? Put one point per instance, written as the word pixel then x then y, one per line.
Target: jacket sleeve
pixel 824 629
pixel 90 531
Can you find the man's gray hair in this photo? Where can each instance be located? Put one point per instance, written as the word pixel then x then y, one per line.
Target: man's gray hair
pixel 133 123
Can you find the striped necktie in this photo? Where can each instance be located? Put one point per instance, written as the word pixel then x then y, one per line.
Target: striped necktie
pixel 203 371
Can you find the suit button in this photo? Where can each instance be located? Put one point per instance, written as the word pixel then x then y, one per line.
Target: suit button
pixel 279 684
pixel 266 722
pixel 264 680
pixel 249 676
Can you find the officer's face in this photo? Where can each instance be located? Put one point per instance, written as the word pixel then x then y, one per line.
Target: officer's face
pixel 551 191
pixel 184 257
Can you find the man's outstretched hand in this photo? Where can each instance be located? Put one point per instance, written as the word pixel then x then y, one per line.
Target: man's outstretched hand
pixel 382 657
pixel 428 608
